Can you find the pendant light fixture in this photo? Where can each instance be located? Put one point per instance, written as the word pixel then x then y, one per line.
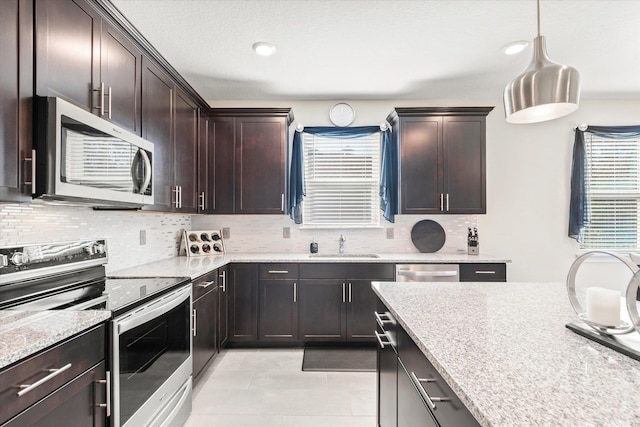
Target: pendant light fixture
pixel 545 90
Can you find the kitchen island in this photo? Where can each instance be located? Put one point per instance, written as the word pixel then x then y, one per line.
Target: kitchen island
pixel 503 348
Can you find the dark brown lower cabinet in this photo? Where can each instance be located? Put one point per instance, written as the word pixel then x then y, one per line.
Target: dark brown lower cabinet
pixel 278 321
pixel 412 409
pixel 361 303
pixel 205 330
pixel 323 310
pixel 223 306
pixel 387 370
pixel 243 303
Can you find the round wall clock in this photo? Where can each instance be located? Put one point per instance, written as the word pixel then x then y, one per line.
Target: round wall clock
pixel 342 114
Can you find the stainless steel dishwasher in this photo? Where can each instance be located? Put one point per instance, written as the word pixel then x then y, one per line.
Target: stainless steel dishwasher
pixel 427 273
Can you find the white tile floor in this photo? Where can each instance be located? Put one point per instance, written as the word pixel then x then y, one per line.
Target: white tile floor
pixel 267 388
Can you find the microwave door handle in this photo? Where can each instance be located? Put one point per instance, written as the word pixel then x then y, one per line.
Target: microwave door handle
pixel 147 171
pixel 134 171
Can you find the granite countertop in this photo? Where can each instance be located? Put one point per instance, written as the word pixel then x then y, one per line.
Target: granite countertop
pixel 504 349
pixel 23 333
pixel 194 267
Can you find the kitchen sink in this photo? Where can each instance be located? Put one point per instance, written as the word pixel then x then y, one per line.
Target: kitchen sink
pixel 344 256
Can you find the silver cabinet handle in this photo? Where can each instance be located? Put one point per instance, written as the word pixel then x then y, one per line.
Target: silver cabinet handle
pixel 107 382
pixel 295 292
pixel 447 202
pixel 195 322
pixel 100 107
pixel 205 285
pixel 344 298
pixel 379 337
pixel 109 95
pixel 380 320
pixel 425 396
pixel 350 292
pixel 202 197
pixel 282 202
pixel 278 271
pixel 441 201
pixel 32 183
pixel 180 194
pixel 26 388
pixel 485 272
pixel 223 276
pixel 176 203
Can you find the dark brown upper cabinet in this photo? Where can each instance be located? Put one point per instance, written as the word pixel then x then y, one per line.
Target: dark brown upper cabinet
pixel 204 195
pixel 82 57
pixel 186 153
pixel 442 159
pixel 249 157
pixel 16 92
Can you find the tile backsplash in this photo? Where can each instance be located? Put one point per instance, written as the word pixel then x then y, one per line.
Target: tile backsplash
pixel 264 233
pixel 42 223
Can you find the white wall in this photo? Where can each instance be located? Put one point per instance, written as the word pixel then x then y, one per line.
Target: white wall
pixel 528 175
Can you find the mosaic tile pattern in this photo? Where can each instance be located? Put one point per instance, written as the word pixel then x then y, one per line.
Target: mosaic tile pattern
pixel 39 222
pixel 264 233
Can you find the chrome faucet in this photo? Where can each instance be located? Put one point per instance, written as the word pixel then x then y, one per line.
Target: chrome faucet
pixel 342 240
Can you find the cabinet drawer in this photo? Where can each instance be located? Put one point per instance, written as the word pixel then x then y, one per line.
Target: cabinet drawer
pixel 278 271
pixel 450 412
pixel 482 272
pixel 71 358
pixel 204 284
pixel 373 271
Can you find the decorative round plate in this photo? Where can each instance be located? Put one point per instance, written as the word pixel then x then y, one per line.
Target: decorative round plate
pixel 428 236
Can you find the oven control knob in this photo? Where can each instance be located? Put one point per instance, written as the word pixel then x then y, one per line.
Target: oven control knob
pixel 100 248
pixel 19 258
pixel 89 249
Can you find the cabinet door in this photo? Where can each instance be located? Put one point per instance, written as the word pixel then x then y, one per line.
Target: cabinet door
pixel 260 158
pixel 278 311
pixel 322 310
pixel 412 409
pixel 68 51
pixel 157 116
pixel 120 71
pixel 222 157
pixel 387 377
pixel 223 307
pixel 204 194
pixel 464 164
pixel 205 327
pixel 74 404
pixel 361 304
pixel 420 174
pixel 186 151
pixel 243 311
pixel 16 91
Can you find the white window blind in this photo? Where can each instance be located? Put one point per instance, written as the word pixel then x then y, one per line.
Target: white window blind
pixel 613 190
pixel 342 181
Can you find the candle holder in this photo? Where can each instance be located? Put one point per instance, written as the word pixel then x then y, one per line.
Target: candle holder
pixel 632 288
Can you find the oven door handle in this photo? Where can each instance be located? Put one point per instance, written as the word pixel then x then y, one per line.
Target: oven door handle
pixel 154 309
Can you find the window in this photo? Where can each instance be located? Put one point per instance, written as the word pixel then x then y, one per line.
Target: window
pixel 342 181
pixel 613 192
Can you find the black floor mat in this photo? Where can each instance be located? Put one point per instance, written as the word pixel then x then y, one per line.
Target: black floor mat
pixel 339 359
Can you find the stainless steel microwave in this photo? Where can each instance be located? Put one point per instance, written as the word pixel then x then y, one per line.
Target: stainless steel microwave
pixel 84 159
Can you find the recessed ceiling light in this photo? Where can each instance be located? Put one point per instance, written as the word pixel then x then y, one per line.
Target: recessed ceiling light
pixel 514 47
pixel 264 48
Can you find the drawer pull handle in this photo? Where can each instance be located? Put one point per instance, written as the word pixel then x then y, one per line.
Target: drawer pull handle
pixel 380 320
pixel 26 388
pixel 107 383
pixel 380 336
pixel 205 285
pixel 278 271
pixel 485 272
pixel 423 393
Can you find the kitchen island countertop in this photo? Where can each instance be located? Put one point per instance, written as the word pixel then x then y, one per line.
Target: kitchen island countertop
pixel 504 349
pixel 194 267
pixel 23 333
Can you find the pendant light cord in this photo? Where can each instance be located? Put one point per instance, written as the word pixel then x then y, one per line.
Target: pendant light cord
pixel 538 18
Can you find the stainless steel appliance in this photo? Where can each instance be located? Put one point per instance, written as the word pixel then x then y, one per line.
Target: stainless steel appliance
pixel 427 273
pixel 151 339
pixel 82 158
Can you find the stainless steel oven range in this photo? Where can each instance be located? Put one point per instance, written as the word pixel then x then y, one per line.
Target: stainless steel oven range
pixel 150 341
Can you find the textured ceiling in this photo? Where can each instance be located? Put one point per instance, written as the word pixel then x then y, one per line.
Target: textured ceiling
pixel 386 49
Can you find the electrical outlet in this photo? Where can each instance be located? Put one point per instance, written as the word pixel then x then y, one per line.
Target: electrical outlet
pixel 286 232
pixel 389 233
pixel 226 233
pixel 143 237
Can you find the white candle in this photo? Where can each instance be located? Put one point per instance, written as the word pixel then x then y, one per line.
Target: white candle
pixel 603 306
